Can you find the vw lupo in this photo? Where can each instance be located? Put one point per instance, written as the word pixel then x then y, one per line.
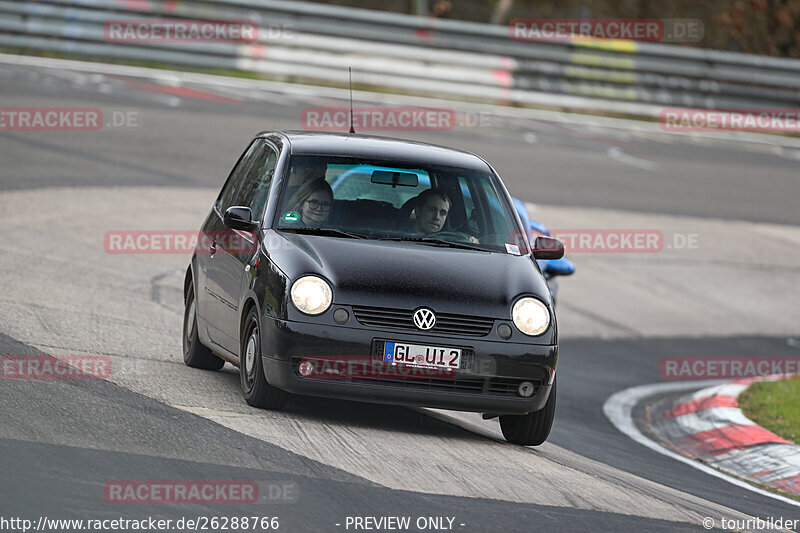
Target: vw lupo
pixel 409 281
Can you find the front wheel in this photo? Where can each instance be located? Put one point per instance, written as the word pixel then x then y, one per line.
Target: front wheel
pixel 257 392
pixel 195 354
pixel 531 429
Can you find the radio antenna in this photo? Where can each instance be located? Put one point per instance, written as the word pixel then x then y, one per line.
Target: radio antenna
pixel 350 71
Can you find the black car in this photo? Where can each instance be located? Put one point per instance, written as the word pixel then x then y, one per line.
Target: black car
pixel 410 281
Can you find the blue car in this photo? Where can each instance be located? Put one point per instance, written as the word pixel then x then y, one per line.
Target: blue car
pixel 550 267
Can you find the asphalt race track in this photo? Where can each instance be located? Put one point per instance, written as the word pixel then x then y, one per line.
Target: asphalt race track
pixel 734 293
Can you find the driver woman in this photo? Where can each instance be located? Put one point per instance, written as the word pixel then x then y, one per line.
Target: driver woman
pixel 313 200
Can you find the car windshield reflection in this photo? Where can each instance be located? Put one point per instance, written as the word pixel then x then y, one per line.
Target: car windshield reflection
pixel 391 200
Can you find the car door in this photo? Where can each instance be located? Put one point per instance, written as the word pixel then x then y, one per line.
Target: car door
pixel 210 297
pixel 235 248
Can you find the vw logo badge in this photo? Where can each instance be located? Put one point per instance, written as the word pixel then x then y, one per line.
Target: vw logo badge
pixel 424 318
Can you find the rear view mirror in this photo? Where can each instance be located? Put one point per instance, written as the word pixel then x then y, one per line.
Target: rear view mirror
pixel 387 177
pixel 547 248
pixel 239 217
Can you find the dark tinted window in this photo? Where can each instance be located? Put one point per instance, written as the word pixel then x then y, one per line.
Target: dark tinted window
pixel 353 195
pixel 226 195
pixel 254 189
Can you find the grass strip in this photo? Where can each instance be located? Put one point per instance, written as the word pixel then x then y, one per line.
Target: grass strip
pixel 774 405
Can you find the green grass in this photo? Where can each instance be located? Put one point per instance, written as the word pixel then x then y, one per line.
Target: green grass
pixel 774 405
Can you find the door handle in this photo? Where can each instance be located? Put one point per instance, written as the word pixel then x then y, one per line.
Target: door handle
pixel 213 247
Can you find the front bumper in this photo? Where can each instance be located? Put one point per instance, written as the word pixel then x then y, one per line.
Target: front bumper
pixel 488 381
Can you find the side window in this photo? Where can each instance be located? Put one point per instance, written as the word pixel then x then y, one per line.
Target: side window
pixel 501 217
pixel 226 196
pixel 254 190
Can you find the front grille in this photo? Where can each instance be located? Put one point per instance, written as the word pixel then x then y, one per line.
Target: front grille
pixel 489 387
pixel 504 387
pixel 446 323
pixel 474 386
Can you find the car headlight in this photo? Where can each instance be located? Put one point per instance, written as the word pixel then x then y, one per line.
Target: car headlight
pixel 531 316
pixel 311 295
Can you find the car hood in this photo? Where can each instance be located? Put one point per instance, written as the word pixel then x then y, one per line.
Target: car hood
pixel 407 275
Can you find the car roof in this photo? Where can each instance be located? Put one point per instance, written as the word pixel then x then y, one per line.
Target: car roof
pixel 369 146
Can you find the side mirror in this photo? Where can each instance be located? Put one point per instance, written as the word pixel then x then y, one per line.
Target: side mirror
pixel 547 248
pixel 239 217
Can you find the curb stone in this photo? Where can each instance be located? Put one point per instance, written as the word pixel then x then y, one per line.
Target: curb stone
pixel 709 426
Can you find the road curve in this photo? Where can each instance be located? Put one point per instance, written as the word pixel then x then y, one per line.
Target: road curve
pixel 154 418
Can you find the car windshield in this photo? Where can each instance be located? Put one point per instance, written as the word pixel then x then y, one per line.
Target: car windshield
pixel 393 200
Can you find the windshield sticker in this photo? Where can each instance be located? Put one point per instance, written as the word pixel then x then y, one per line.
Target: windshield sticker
pixel 291 216
pixel 512 249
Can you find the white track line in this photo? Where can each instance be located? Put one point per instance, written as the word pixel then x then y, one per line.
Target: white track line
pixel 618 408
pixel 616 153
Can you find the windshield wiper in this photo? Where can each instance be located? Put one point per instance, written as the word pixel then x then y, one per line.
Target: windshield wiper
pixel 436 242
pixel 331 232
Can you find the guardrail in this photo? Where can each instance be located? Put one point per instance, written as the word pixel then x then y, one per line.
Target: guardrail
pixel 316 42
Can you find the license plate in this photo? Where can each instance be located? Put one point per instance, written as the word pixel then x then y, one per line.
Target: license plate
pixel 422 356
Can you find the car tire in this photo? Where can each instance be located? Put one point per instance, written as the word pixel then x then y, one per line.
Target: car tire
pixel 194 353
pixel 533 428
pixel 257 392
